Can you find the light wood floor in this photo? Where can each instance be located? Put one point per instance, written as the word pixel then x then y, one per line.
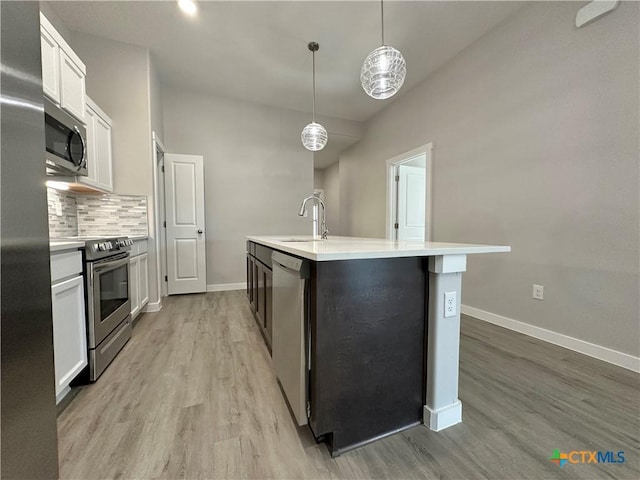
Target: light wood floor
pixel 193 395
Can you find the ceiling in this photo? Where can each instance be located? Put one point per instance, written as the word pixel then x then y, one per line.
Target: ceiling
pixel 257 51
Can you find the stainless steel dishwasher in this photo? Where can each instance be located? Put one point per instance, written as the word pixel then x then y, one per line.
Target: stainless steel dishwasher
pixel 290 341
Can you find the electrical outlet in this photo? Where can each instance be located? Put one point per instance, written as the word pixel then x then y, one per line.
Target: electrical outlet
pixel 538 292
pixel 450 304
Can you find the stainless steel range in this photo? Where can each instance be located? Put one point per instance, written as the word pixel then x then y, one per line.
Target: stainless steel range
pixel 108 307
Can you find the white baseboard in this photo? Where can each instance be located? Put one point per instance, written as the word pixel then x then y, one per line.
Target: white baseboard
pixel 223 287
pixel 62 394
pixel 153 307
pixel 621 359
pixel 443 418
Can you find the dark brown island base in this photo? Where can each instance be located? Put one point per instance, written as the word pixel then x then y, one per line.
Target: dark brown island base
pixel 364 334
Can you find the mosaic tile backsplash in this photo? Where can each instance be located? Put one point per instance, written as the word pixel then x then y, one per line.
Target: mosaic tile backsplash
pixel 65 204
pixel 112 215
pixel 96 214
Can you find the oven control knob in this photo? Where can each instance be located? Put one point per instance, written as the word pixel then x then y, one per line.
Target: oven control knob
pixel 109 245
pixel 101 247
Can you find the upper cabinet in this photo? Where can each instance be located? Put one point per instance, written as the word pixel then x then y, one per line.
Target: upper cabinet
pixel 63 73
pixel 99 157
pixel 50 65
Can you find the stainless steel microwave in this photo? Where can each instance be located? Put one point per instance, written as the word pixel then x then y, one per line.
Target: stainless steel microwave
pixel 65 142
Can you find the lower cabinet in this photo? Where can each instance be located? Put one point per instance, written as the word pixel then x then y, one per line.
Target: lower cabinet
pixel 134 286
pixel 144 279
pixel 138 283
pixel 259 289
pixel 139 277
pixel 250 279
pixel 268 296
pixel 69 332
pixel 254 286
pixel 260 305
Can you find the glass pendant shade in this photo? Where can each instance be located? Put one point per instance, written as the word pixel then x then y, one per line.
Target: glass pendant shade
pixel 383 72
pixel 314 137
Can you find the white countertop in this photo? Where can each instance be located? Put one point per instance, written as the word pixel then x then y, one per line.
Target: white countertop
pixel 353 248
pixel 61 245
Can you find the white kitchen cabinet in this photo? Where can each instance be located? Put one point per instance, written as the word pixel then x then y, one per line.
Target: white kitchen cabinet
pixel 72 86
pixel 134 286
pixel 139 277
pixel 69 324
pixel 144 279
pixel 63 73
pixel 99 154
pixel 50 65
pixel 92 168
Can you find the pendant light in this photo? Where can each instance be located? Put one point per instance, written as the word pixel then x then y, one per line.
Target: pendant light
pixel 314 135
pixel 384 69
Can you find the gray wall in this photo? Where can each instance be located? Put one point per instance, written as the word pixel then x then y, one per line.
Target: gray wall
pixel 155 101
pixel 118 81
pixel 121 80
pixel 55 20
pixel 318 178
pixel 535 133
pixel 331 186
pixel 256 172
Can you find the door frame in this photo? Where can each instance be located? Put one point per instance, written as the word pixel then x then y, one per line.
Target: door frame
pixel 392 199
pixel 161 242
pixel 163 219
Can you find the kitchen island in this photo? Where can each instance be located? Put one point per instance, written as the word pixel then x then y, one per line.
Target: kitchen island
pixel 381 333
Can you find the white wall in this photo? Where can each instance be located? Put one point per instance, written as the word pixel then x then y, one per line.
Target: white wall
pixel 535 134
pixel 256 172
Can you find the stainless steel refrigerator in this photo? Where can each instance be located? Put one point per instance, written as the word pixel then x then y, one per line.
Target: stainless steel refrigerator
pixel 28 411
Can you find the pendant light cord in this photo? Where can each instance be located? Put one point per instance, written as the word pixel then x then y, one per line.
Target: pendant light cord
pixel 314 86
pixel 382 17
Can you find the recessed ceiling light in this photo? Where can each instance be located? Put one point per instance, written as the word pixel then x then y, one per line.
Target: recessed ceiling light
pixel 188 6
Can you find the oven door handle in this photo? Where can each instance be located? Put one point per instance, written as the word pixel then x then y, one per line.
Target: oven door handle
pixel 105 267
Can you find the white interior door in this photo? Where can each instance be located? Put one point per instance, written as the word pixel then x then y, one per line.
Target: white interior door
pixel 411 183
pixel 184 201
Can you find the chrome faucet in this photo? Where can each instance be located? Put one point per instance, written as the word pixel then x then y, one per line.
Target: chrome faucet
pixel 319 228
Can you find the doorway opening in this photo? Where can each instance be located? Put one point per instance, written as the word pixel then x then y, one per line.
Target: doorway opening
pixel 161 241
pixel 180 224
pixel 409 205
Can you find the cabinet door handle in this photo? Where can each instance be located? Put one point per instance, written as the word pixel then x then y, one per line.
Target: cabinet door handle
pixel 199 231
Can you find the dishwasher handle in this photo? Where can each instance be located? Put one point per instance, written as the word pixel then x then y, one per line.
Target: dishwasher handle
pixel 292 265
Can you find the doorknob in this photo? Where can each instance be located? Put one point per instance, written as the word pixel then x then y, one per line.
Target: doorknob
pixel 199 231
